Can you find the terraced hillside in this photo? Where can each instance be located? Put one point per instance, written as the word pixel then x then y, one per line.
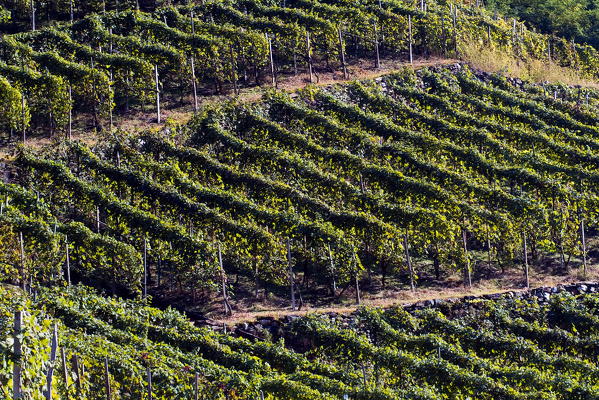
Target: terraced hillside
pixel 326 189
pixel 73 64
pixel 94 347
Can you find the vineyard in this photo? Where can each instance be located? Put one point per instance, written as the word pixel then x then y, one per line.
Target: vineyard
pixel 321 190
pixel 132 260
pixel 66 63
pixel 102 348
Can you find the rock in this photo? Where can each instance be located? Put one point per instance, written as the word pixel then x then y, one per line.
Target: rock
pixel 290 318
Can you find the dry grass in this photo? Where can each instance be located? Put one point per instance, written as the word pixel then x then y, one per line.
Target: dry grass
pixel 491 59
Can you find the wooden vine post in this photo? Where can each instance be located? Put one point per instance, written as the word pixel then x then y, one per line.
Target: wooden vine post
pixel 18 353
pixel 158 118
pixel 23 121
pixel 97 219
pixel 356 280
pixel 272 60
pixel 406 247
pixel 525 249
pixel 584 248
pixel 411 39
pixel 196 390
pixel 467 274
pixel 223 280
pixel 291 280
pixel 342 53
pixel 68 259
pixel 309 56
pixel 332 266
pixel 65 375
pixel 193 68
pixel 149 381
pixel 70 130
pixel 377 63
pixel 50 373
pixel 79 374
pixel 32 15
pixel 108 390
pixel 454 16
pixel 145 262
pixel 194 84
pixel 72 6
pixel 22 252
pixel 233 70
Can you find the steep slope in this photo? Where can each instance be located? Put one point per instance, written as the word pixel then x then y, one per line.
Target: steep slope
pixel 341 185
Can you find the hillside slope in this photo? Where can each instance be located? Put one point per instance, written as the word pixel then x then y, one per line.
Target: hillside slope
pixel 86 70
pixel 93 347
pixel 404 178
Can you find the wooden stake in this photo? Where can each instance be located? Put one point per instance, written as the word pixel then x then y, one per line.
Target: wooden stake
pixel 272 61
pixel 149 379
pixel 194 84
pixel 145 261
pixel 411 39
pixel 68 259
pixel 97 219
pixel 196 386
pixel 332 268
pixel 454 11
pixel 291 279
pixel 584 248
pixel 32 15
pixel 70 132
pixel 79 373
pixel 23 124
pixel 377 64
pixel 342 52
pixel 72 11
pixel 108 391
pixel 357 282
pixel 467 274
pixel 223 279
pixel 65 376
pixel 157 94
pixel 233 70
pixel 22 272
pixel 309 56
pixel 525 249
pixel 18 352
pixel 50 373
pixel 408 260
